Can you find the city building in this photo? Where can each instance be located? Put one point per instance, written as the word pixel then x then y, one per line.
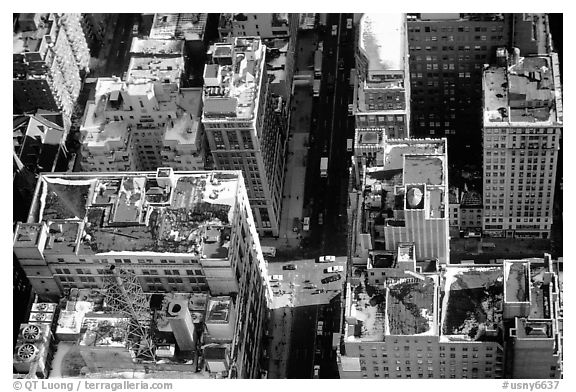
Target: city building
pixel 164 48
pixel 381 104
pixel 403 201
pixel 471 211
pixel 39 146
pixel 246 124
pixel 264 25
pixel 278 32
pixel 447 54
pixel 145 122
pixel 190 232
pixel 189 27
pixel 454 211
pixel 405 319
pixel 522 126
pixel 49 54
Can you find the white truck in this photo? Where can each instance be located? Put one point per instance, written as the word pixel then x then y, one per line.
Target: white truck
pixel 316 87
pixel 324 167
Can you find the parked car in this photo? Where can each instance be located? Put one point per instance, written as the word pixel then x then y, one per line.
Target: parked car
pixel 289 267
pixel 309 287
pixel 316 371
pixel 319 327
pixel 334 268
pixel 326 259
pixel 349 23
pixel 275 284
pixel 332 278
pixel 277 277
pixel 334 30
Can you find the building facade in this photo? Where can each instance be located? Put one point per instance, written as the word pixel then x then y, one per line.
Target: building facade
pixel 381 104
pixel 522 126
pixel 246 124
pixel 447 55
pixel 187 232
pixel 49 53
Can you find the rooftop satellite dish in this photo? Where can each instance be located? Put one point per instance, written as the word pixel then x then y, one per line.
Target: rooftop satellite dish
pixel 414 197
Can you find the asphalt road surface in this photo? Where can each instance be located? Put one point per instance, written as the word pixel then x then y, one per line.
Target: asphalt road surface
pixel 331 126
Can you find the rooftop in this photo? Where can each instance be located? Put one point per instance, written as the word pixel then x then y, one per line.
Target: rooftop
pixel 31 33
pixel 404 305
pixel 219 310
pixel 472 304
pixel 33 136
pixel 190 27
pixel 162 69
pixel 522 93
pixel 97 213
pixel 409 164
pixel 232 81
pixel 164 47
pixel 105 332
pixel 383 39
pixel 471 199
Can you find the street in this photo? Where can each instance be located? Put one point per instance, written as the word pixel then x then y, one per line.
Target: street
pixel 298 302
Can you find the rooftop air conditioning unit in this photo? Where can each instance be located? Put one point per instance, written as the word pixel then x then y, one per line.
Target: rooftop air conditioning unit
pixel 26 352
pixel 31 333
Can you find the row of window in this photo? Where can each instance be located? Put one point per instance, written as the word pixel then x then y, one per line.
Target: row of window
pixel 463 29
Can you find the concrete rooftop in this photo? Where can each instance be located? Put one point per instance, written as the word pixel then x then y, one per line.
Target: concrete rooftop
pixel 231 88
pixel 523 93
pixel 383 37
pixel 101 213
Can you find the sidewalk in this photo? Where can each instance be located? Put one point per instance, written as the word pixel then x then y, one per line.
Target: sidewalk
pixel 279 348
pixel 298 141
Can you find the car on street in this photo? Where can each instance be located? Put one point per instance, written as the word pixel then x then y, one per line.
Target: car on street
pixel 332 278
pixel 277 277
pixel 319 327
pixel 334 30
pixel 289 267
pixel 309 287
pixel 335 268
pixel 349 23
pixel 320 219
pixel 316 371
pixel 275 284
pixel 306 281
pixel 326 259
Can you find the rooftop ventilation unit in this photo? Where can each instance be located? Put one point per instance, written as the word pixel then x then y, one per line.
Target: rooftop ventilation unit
pixel 26 352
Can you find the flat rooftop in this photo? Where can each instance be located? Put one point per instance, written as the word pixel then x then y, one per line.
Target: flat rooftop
pixel 190 27
pixel 219 310
pixel 105 332
pixel 164 47
pixel 409 161
pixel 404 306
pixel 137 212
pixel 523 93
pixel 383 40
pixel 165 70
pixel 472 304
pixel 231 83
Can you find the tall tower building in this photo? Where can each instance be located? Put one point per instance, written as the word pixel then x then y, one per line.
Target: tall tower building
pixel 447 54
pixel 381 103
pixel 522 126
pixel 50 51
pixel 184 232
pixel 246 125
